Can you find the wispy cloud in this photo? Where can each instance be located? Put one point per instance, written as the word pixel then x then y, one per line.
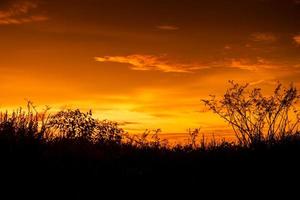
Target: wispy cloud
pixel 20 13
pixel 151 62
pixel 257 82
pixel 297 39
pixel 164 64
pixel 168 27
pixel 252 65
pixel 264 81
pixel 263 37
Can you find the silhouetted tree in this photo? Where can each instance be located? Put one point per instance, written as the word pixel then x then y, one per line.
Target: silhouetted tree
pixel 256 118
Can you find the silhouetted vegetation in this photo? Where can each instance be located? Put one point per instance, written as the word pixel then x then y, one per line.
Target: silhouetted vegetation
pixel 73 124
pixel 73 143
pixel 258 119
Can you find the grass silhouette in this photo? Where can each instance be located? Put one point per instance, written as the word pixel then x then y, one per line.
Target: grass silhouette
pixel 72 145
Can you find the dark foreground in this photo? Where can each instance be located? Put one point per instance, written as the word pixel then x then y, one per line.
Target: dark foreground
pixel 80 165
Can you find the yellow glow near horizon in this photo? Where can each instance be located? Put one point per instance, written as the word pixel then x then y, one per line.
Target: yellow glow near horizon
pixel 144 69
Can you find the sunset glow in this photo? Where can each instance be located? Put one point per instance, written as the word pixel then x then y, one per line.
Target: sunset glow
pixel 146 64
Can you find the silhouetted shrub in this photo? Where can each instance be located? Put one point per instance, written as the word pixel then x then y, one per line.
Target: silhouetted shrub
pixel 73 124
pixel 256 118
pixel 108 131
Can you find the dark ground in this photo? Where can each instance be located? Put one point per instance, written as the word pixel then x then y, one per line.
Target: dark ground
pixel 80 168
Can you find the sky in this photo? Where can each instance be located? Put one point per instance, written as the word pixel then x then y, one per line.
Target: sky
pixel 146 64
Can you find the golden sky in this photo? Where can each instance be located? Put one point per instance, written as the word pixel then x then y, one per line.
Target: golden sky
pixel 144 63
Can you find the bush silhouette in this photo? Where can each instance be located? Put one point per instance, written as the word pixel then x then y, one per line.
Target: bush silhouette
pixel 74 124
pixel 256 118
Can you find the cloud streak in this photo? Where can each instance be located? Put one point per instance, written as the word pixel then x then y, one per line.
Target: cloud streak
pixel 162 63
pixel 263 37
pixel 168 28
pixel 151 62
pixel 20 13
pixel 252 65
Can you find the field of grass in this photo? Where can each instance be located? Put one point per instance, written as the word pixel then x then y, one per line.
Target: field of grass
pixel 72 145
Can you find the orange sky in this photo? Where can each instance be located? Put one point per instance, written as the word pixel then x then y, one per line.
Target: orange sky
pixel 144 63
